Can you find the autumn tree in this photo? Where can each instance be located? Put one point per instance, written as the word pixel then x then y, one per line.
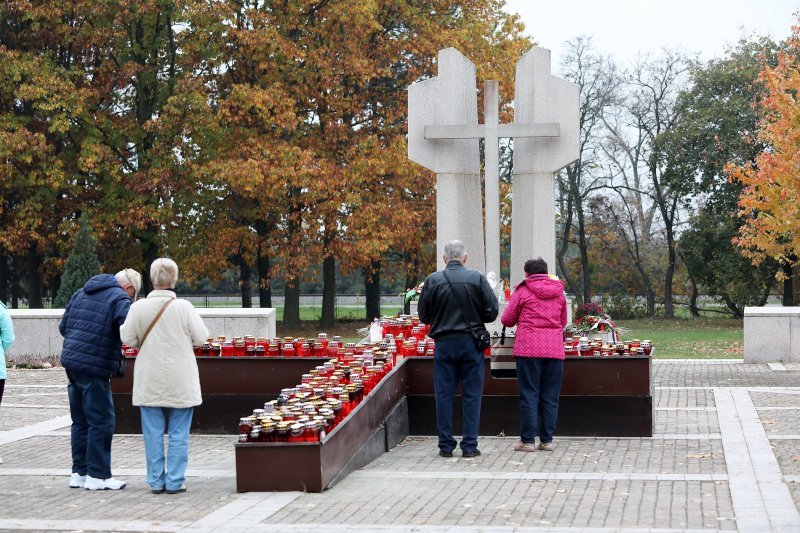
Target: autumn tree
pixel 769 199
pixel 41 104
pixel 719 119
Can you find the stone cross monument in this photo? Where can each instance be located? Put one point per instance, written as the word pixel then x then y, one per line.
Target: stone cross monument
pixel 540 97
pixel 450 98
pixel 443 131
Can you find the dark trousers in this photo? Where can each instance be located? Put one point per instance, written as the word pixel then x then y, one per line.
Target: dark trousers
pixel 92 411
pixel 2 388
pixel 539 387
pixel 456 361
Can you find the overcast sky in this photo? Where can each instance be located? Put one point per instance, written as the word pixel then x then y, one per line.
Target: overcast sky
pixel 622 28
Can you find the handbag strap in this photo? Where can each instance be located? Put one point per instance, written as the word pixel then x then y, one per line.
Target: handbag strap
pixel 153 323
pixel 462 303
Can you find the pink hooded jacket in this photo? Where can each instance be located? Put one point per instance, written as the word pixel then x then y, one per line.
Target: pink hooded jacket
pixel 539 310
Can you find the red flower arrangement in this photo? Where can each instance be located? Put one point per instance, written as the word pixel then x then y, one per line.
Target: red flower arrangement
pixel 590 318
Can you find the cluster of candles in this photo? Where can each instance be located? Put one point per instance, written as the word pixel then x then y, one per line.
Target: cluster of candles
pixel 583 347
pixel 325 396
pixel 403 335
pixel 251 346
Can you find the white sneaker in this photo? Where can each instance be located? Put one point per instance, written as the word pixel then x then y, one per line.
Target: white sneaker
pixel 1 460
pixel 76 481
pixel 93 483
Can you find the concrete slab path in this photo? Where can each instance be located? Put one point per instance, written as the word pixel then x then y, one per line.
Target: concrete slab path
pixel 725 457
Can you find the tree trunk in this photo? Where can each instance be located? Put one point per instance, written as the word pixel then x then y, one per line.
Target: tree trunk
pixel 244 282
pixel 669 306
pixel 4 278
pixel 34 279
pixel 372 291
pixel 291 303
pixel 564 245
pixel 150 249
pixel 762 300
pixel 262 265
pixel 693 299
pixel 732 307
pixel 328 319
pixel 264 285
pixel 583 246
pixel 651 304
pixel 788 299
pixel 13 281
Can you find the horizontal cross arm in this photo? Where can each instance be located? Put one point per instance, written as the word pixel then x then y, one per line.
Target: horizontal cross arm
pixel 478 131
pixel 539 129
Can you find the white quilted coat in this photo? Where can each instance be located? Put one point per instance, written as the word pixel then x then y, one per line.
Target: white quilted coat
pixel 165 373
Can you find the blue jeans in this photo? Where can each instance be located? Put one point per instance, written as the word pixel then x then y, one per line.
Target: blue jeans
pixel 92 409
pixel 456 361
pixel 539 387
pixel 154 422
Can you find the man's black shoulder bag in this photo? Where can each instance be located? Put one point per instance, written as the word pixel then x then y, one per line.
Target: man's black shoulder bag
pixel 482 338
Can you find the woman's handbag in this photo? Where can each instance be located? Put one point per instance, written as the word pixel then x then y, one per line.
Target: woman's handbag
pixel 481 337
pixel 119 372
pixel 502 363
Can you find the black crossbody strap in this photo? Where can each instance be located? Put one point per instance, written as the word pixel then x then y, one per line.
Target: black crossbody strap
pixel 461 302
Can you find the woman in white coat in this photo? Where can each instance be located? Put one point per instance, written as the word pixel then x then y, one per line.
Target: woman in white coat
pixel 166 385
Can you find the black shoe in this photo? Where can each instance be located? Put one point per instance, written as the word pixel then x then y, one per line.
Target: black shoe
pixel 158 491
pixel 175 491
pixel 474 453
pixel 443 453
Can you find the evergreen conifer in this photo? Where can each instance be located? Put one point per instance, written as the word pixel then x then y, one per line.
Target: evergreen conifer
pixel 82 264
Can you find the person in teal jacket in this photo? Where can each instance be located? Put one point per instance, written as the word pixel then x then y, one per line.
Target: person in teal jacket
pixel 6 340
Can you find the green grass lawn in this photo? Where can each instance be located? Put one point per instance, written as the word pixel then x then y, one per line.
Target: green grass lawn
pixel 698 338
pixel 343 312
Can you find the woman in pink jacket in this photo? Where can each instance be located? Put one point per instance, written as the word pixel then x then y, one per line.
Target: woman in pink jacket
pixel 539 310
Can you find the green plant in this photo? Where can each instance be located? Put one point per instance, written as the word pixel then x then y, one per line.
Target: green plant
pixel 82 264
pixel 624 307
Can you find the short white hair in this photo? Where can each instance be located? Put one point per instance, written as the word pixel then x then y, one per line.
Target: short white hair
pixel 164 273
pixel 455 251
pixel 129 278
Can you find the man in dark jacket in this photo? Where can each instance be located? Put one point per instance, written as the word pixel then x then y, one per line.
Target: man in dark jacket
pixel 90 327
pixel 456 358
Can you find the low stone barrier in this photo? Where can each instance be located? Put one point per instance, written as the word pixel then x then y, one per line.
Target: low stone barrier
pixel 37 335
pixel 772 334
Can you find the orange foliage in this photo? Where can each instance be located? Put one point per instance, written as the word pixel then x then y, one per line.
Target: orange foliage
pixel 770 201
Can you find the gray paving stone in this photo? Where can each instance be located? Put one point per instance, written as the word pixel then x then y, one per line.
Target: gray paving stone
pixel 787 452
pixel 780 422
pixel 682 421
pixel 683 398
pixel 48 497
pixel 722 375
pixel 675 482
pixel 771 399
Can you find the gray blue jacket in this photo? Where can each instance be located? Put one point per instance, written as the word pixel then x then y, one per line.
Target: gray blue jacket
pixel 90 327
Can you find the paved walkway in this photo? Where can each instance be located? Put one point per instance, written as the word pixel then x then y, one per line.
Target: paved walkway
pixel 725 457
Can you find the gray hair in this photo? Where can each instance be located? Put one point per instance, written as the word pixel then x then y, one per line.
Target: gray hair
pixel 164 273
pixel 129 278
pixel 455 251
